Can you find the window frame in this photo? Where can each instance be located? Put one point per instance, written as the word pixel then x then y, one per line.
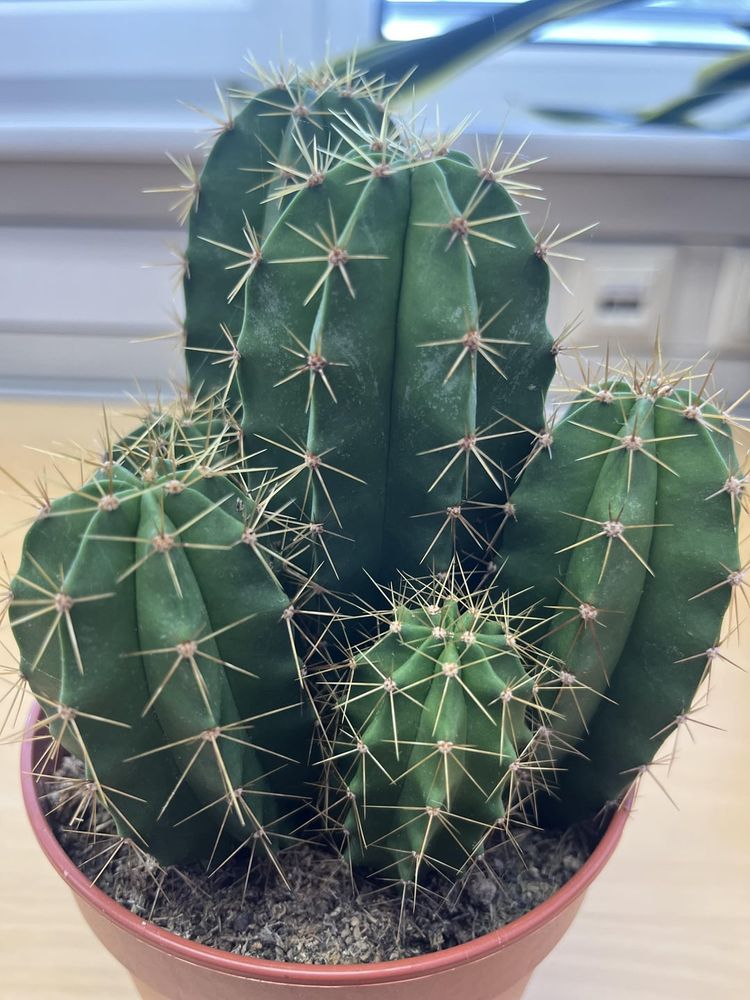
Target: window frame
pixel 551 34
pixel 110 128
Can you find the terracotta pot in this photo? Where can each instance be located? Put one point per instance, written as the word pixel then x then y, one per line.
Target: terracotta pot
pixel 496 966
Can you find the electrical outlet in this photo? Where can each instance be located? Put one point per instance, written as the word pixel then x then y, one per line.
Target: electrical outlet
pixel 621 292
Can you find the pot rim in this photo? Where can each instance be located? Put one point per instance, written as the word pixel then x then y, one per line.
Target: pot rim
pixel 296 974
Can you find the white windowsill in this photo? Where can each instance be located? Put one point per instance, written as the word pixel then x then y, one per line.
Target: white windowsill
pixel 656 151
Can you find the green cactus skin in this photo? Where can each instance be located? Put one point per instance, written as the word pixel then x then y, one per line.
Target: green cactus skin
pixel 151 631
pixel 434 741
pixel 625 535
pixel 395 321
pixel 259 154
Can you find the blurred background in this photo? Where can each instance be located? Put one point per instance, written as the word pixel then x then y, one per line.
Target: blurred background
pixel 93 92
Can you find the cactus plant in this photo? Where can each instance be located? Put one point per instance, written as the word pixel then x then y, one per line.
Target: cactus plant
pixel 150 628
pixel 369 358
pixel 394 301
pixel 439 738
pixel 623 531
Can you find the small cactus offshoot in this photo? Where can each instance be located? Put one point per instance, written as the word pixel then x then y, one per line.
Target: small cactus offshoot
pixel 439 737
pixel 357 587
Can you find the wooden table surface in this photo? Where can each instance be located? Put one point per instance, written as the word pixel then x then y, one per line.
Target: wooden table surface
pixel 668 920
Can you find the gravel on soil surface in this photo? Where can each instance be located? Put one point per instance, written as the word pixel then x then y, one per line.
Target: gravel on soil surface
pixel 323 915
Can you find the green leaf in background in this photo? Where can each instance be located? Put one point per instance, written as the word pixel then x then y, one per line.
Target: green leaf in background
pixel 728 77
pixel 428 62
pixel 715 82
